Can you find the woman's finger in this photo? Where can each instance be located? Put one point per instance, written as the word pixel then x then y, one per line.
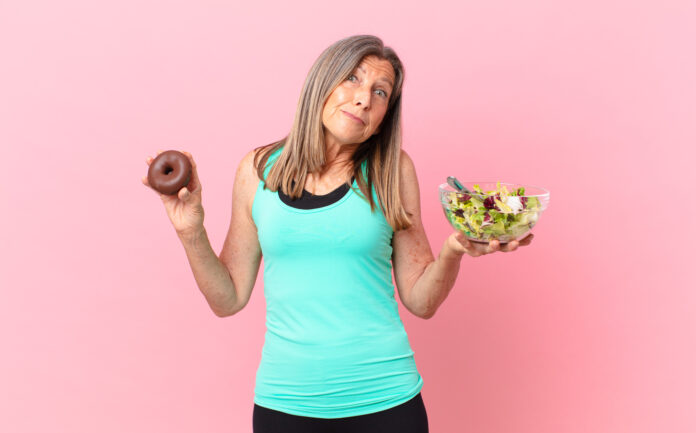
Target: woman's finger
pixel 190 157
pixel 147 184
pixel 194 183
pixel 509 247
pixel 184 194
pixel 527 240
pixel 493 246
pixel 464 246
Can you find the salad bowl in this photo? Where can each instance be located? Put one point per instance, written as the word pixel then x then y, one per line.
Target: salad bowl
pixel 502 211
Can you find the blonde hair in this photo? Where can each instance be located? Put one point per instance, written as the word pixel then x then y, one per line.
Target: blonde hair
pixel 304 148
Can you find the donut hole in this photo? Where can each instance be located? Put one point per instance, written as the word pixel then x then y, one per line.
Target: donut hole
pixel 168 169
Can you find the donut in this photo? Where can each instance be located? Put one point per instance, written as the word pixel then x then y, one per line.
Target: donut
pixel 169 172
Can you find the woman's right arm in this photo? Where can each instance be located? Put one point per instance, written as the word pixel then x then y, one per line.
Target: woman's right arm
pixel 227 281
pixel 241 252
pixel 211 275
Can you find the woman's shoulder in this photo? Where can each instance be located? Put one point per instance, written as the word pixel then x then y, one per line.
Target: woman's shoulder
pixel 247 166
pixel 247 172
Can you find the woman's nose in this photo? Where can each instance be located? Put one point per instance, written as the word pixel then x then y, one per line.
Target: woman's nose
pixel 362 97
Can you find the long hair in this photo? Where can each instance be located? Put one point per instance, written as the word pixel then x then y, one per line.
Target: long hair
pixel 304 147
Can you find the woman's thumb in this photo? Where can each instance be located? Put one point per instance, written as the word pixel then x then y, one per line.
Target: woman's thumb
pixel 184 194
pixel 462 239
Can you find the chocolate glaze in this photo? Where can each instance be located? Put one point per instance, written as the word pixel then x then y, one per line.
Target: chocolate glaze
pixel 169 172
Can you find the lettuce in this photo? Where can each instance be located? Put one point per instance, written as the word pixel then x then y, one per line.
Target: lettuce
pixel 501 214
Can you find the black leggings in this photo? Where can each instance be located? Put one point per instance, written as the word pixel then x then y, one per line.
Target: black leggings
pixel 408 417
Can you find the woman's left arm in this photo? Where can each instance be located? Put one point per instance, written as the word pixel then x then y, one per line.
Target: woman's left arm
pixel 422 281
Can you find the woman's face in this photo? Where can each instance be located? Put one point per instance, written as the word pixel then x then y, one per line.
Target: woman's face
pixel 355 109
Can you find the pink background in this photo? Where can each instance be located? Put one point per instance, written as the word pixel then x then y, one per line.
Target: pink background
pixel 592 328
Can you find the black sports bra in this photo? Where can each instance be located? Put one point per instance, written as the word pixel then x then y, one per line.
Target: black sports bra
pixel 311 201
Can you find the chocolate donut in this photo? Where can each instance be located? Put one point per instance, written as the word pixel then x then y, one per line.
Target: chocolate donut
pixel 169 172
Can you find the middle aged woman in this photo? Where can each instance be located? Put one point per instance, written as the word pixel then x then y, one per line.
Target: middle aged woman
pixel 333 208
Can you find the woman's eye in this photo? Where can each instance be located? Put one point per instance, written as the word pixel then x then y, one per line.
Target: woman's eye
pixel 353 78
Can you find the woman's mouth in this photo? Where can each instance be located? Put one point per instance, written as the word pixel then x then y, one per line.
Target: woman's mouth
pixel 357 119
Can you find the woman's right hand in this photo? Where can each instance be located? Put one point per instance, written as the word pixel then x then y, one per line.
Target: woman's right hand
pixel 185 209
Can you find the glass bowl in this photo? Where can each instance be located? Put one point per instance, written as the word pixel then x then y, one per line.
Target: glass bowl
pixel 486 215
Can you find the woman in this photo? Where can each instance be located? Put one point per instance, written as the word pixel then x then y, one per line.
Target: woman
pixel 332 207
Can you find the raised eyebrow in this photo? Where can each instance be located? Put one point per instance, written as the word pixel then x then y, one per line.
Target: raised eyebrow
pixel 385 80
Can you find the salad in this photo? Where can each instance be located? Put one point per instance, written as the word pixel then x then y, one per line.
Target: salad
pixel 500 214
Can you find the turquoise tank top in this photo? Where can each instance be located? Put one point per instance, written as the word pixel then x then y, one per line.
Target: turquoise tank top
pixel 335 345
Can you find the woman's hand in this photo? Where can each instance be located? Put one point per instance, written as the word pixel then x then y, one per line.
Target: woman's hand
pixel 185 209
pixel 459 244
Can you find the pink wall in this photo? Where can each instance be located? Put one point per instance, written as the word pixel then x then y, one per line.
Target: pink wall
pixel 589 329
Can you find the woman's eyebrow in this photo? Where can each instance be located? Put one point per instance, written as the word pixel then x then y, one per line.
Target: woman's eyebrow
pixel 384 79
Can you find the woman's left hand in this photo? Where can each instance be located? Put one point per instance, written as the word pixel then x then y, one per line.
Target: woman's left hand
pixel 459 244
